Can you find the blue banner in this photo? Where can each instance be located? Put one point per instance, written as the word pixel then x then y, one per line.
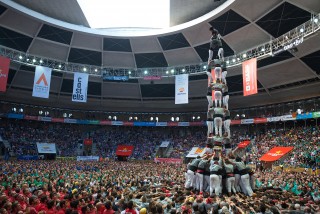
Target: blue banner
pixel 304 116
pixel 116 78
pixel 15 116
pixel 28 157
pixel 144 123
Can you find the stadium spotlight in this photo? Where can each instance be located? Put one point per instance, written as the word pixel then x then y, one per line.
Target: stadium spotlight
pixel 198 117
pixel 204 67
pixel 233 60
pixel 193 117
pixel 114 117
pixel 238 115
pixel 243 115
pixel 109 117
pixel 183 70
pixel 41 61
pixel 262 49
pixel 177 119
pixel 244 55
pixel 70 115
pixel 172 119
pixel 167 72
pixel 151 118
pixel 84 69
pixel 40 112
pixel 172 71
pixel 64 115
pixel 315 20
pixel 157 119
pixel 60 66
pixel 21 110
pixel 129 72
pixel 28 59
pixel 227 62
pixel 145 72
pixel 14 109
pixel 130 118
pixel 20 57
pixel 96 70
pixel 46 113
pixel 301 30
pixel 135 118
pixel 34 60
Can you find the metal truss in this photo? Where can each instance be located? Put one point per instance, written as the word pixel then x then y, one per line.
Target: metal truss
pixel 285 42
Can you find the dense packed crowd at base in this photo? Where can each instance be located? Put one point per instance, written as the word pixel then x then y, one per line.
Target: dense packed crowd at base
pixel 142 187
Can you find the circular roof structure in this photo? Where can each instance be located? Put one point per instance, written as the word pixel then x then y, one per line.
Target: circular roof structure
pixel 58 30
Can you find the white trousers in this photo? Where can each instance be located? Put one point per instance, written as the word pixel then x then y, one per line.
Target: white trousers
pixel 224 77
pixel 230 184
pixel 210 127
pixel 226 101
pixel 218 126
pixel 190 179
pixel 237 182
pixel 218 73
pixel 206 184
pixel 200 179
pixel 218 98
pixel 226 125
pixel 215 184
pixel 253 182
pixel 210 102
pixel 245 180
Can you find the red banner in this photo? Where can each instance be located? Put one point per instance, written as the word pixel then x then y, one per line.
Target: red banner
pixel 235 122
pixel 260 120
pixel 87 142
pixel 244 144
pixel 168 160
pixel 4 71
pixel 57 120
pixel 105 122
pixel 276 153
pixel 124 150
pixel 249 75
pixel 127 123
pixel 28 117
pixel 172 124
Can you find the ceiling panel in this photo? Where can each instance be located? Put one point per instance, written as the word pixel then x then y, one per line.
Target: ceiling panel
pixel 12 39
pixel 113 44
pixel 117 90
pixel 85 56
pixel 87 41
pixel 283 73
pixel 201 36
pixel 274 59
pixel 55 34
pixel 251 36
pixel 228 22
pixel 312 60
pixel 283 19
pixel 145 45
pixel 310 5
pixel 203 51
pixel 20 23
pixel 182 56
pixel 12 73
pixel 23 78
pixel 173 41
pixel 150 60
pixel 48 49
pixel 117 59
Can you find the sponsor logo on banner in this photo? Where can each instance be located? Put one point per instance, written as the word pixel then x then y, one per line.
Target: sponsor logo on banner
pixel 197 123
pixel 235 122
pixel 105 122
pixel 316 114
pixel 181 89
pixel 287 117
pixel 152 78
pixel 247 121
pixel 80 87
pixel 172 123
pixel 161 124
pixel 127 123
pixel 4 70
pixel 49 148
pixel 274 119
pixel 28 117
pixel 249 73
pixel 304 116
pixel 87 158
pixel 45 119
pixel 117 123
pixel 260 120
pixel 276 153
pixel 116 78
pixel 183 124
pixel 67 120
pixel 41 84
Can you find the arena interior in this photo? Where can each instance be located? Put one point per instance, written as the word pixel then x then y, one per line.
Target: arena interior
pixel 162 106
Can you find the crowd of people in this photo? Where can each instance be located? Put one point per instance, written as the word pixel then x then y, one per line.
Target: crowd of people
pixel 141 187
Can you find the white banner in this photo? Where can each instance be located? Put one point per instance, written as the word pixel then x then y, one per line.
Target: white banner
pixel 196 151
pixel 87 158
pixel 274 119
pixel 287 117
pixel 165 144
pixel 41 83
pixel 80 87
pixel 48 148
pixel 181 89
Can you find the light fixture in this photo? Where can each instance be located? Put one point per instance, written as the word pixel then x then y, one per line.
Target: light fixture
pixel 301 30
pixel 145 72
pixel 227 62
pixel 130 118
pixel 84 69
pixel 157 119
pixel 41 61
pixel 70 115
pixel 21 110
pixel 233 60
pixel 244 55
pixel 172 71
pixel 167 72
pixel 177 119
pixel 151 118
pixel 238 115
pixel 183 70
pixel 115 117
pixel 315 20
pixel 20 57
pixel 243 115
pixel 238 59
pixel 262 49
pixel 64 115
pixel 14 109
pixel 40 112
pixel 135 118
pixel 96 70
pixel 204 67
pixel 28 59
pixel 193 117
pixel 129 72
pixel 60 66
pixel 109 117
pixel 172 119
pixel 198 117
pixel 34 60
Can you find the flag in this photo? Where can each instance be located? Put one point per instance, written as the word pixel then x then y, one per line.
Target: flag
pixel 41 84
pixel 181 89
pixel 80 87
pixel 4 71
pixel 249 75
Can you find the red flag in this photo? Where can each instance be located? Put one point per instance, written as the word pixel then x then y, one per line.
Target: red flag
pixel 249 74
pixel 4 71
pixel 276 153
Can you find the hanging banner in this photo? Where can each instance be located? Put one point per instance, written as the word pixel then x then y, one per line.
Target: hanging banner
pixel 181 89
pixel 80 87
pixel 249 75
pixel 41 84
pixel 4 71
pixel 276 153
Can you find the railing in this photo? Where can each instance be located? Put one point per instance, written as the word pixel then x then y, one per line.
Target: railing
pixel 289 40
